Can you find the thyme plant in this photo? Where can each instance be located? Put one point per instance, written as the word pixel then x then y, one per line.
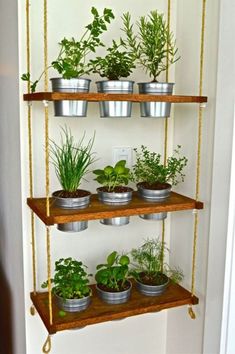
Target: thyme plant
pixel 148 167
pixel 71 160
pixel 153 46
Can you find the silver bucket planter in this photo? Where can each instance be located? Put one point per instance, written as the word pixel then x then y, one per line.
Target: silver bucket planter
pixel 154 195
pixel 114 298
pixel 68 108
pixel 152 290
pixel 73 305
pixel 115 109
pixel 72 203
pixel 113 198
pixel 154 216
pixel 155 109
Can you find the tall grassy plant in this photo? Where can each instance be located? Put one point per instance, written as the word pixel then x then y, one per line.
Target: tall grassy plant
pixel 71 160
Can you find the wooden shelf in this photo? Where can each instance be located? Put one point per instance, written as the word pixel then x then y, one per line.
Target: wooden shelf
pixel 95 97
pixel 97 210
pixel 98 311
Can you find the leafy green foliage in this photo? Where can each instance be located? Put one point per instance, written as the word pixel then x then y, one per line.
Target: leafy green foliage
pixel 71 160
pixel 70 280
pixel 71 61
pixel 112 177
pixel 114 273
pixel 115 64
pixel 148 167
pixel 148 260
pixel 153 46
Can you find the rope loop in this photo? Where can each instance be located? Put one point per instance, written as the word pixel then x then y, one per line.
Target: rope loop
pixel 32 311
pixel 191 313
pixel 47 345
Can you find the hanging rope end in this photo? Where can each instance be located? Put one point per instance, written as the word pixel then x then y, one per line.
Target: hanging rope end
pixel 47 345
pixel 33 311
pixel 191 313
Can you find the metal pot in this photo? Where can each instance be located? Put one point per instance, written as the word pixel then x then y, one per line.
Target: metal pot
pixel 68 108
pixel 154 195
pixel 154 216
pixel 114 298
pixel 72 203
pixel 73 305
pixel 155 109
pixel 115 109
pixel 152 290
pixel 113 198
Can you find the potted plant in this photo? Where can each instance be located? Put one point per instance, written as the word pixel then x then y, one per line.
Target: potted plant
pixel 154 179
pixel 155 49
pixel 116 64
pixel 71 161
pixel 70 285
pixel 114 190
pixel 113 286
pixel 72 64
pixel 151 273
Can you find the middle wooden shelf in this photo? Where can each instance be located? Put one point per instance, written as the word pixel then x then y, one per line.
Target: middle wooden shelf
pixel 97 210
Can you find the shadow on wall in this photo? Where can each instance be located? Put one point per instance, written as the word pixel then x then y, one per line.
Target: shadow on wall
pixel 6 335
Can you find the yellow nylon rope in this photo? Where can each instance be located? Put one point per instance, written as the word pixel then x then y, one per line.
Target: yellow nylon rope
pixel 30 149
pixel 198 169
pixel 166 126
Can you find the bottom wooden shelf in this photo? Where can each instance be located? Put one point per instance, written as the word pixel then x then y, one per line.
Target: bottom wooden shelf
pixel 99 312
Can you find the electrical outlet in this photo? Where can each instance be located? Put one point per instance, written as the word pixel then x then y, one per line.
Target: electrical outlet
pixel 122 153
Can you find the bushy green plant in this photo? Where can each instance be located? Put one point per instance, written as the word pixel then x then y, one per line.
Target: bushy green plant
pixel 112 177
pixel 113 274
pixel 72 59
pixel 148 167
pixel 115 64
pixel 70 280
pixel 153 46
pixel 71 160
pixel 149 265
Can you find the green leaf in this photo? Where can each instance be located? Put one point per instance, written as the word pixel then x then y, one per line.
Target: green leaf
pixel 62 313
pixel 111 258
pixel 124 260
pixel 108 170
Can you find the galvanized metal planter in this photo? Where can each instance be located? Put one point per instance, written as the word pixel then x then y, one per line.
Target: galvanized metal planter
pixel 152 290
pixel 154 216
pixel 154 195
pixel 68 108
pixel 113 198
pixel 114 298
pixel 155 109
pixel 72 203
pixel 73 305
pixel 115 109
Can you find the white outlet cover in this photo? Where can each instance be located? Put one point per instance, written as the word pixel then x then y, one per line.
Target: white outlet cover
pixel 122 153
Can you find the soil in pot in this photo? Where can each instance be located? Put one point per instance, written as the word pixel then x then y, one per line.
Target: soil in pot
pixel 79 193
pixel 160 279
pixel 125 286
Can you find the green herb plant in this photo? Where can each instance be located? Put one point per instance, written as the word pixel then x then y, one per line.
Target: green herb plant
pixel 113 275
pixel 71 160
pixel 148 167
pixel 149 266
pixel 72 58
pixel 153 46
pixel 70 280
pixel 112 177
pixel 115 64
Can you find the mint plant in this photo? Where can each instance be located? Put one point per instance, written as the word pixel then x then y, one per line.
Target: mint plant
pixel 70 280
pixel 148 265
pixel 115 64
pixel 153 46
pixel 72 58
pixel 148 167
pixel 113 274
pixel 112 177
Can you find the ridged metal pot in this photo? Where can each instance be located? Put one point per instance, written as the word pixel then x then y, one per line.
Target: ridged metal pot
pixel 114 298
pixel 154 195
pixel 68 108
pixel 72 203
pixel 73 305
pixel 113 198
pixel 155 109
pixel 115 109
pixel 154 216
pixel 152 290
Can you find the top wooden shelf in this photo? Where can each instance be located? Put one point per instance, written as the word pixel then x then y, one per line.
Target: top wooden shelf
pixel 96 97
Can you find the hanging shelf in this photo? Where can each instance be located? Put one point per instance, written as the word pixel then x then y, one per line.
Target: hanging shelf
pixel 96 97
pixel 98 311
pixel 97 210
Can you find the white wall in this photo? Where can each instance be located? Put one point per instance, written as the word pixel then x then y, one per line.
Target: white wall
pixel 12 324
